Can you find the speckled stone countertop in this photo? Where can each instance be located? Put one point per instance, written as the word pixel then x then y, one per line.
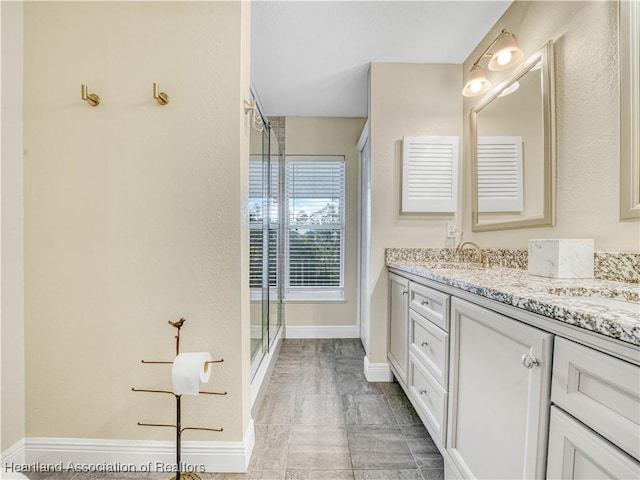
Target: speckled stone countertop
pixel 595 305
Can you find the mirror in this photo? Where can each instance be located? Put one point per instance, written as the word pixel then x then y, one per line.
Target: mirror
pixel 513 150
pixel 629 28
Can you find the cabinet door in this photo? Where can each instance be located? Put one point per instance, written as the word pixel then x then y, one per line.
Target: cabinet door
pixel 399 325
pixel 498 407
pixel 576 452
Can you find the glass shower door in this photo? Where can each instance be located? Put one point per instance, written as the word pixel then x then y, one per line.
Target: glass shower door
pixel 265 180
pixel 258 256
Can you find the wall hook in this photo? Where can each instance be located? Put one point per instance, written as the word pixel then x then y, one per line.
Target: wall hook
pixel 249 107
pixel 161 97
pixel 91 98
pixel 256 118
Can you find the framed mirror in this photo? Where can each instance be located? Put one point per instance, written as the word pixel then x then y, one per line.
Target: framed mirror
pixel 629 32
pixel 513 150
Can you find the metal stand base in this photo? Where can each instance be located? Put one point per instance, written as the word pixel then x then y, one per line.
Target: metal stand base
pixel 187 476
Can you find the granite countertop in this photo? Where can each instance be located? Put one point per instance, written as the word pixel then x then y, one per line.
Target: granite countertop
pixel 606 307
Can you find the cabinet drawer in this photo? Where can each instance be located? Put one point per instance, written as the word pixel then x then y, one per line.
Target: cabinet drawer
pixel 430 303
pixel 430 345
pixel 600 390
pixel 429 398
pixel 576 452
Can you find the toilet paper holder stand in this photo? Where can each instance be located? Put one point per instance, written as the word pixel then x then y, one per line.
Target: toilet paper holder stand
pixel 178 425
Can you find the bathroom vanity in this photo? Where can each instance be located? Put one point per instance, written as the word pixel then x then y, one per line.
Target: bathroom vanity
pixel 516 376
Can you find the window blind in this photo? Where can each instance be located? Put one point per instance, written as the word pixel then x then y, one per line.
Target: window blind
pixel 258 205
pixel 500 179
pixel 315 201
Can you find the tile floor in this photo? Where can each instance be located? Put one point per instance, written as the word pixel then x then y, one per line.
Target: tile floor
pixel 321 420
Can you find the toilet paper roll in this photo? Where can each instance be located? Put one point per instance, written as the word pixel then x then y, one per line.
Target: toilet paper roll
pixel 189 369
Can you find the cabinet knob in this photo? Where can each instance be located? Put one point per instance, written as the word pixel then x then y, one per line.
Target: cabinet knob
pixel 422 391
pixel 424 343
pixel 529 361
pixel 404 292
pixel 425 302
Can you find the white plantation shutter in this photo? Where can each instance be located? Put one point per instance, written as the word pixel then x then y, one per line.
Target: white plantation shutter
pixel 500 182
pixel 429 174
pixel 315 197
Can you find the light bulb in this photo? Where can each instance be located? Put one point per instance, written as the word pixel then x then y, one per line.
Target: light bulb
pixel 504 57
pixel 475 87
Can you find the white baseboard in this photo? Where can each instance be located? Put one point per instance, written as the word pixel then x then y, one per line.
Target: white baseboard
pixel 377 372
pixel 260 381
pixel 141 455
pixel 14 454
pixel 322 331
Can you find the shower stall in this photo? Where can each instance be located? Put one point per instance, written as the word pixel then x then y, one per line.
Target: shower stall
pixel 265 168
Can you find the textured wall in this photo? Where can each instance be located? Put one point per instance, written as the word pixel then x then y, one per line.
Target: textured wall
pixel 135 213
pixel 405 100
pixel 332 136
pixel 587 121
pixel 13 411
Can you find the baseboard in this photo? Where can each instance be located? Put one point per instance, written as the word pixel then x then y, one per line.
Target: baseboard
pixel 14 454
pixel 322 331
pixel 377 372
pixel 260 381
pixel 141 455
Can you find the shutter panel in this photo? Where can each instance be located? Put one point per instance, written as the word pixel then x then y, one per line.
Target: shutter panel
pixel 500 182
pixel 429 174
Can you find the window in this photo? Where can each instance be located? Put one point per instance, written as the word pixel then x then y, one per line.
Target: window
pixel 258 205
pixel 313 223
pixel 315 219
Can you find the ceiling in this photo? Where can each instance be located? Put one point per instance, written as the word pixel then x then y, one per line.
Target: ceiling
pixel 311 58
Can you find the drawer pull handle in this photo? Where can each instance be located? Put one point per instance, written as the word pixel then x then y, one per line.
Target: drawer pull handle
pixel 424 343
pixel 422 391
pixel 425 302
pixel 404 292
pixel 529 361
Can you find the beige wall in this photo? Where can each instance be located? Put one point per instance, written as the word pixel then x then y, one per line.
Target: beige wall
pixel 587 121
pixel 332 136
pixel 135 213
pixel 405 100
pixel 12 300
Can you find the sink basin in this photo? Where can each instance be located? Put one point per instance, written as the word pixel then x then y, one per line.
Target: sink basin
pixel 454 266
pixel 614 303
pixel 629 301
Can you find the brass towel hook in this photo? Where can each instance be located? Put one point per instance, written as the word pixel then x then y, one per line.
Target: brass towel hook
pixel 161 97
pixel 91 98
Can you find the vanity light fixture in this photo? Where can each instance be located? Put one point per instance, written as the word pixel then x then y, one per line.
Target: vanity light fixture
pixel 506 53
pixel 510 89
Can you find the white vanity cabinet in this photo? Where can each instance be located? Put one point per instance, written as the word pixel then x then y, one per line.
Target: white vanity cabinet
pixel 419 349
pixel 577 452
pixel 498 394
pixel 398 348
pixel 508 394
pixel 595 423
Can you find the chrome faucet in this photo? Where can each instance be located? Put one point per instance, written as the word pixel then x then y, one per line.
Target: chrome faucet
pixel 480 256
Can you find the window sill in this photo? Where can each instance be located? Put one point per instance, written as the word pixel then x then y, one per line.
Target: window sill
pixel 315 296
pixel 309 296
pixel 314 300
